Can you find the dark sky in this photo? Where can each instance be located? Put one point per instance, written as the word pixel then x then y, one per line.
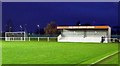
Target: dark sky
pixel 64 13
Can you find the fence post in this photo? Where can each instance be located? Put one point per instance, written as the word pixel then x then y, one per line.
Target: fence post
pixel 38 38
pixel 29 38
pixel 24 38
pixel 21 38
pixel 48 39
pixel 13 39
pixel 113 40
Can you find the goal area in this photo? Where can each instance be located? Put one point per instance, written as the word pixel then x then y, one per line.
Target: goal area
pixel 15 36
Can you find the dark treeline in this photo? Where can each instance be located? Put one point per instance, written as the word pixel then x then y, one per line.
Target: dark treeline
pixel 51 27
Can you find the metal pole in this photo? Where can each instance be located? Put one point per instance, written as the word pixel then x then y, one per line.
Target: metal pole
pixel 48 39
pixel 38 38
pixel 29 38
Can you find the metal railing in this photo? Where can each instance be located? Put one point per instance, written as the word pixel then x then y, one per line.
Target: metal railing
pixel 28 38
pixel 44 39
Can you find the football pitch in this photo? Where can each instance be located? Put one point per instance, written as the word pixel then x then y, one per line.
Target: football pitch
pixel 34 52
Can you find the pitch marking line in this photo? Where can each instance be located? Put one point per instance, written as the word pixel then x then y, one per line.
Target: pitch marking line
pixel 105 57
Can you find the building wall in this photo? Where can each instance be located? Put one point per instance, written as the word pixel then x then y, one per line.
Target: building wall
pixel 83 35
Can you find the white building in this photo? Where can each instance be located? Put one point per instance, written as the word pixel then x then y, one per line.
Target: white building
pixel 84 33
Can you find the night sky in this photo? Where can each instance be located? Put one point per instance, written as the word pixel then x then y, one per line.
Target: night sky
pixel 64 13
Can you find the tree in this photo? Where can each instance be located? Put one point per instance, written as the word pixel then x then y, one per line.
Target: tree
pixel 37 30
pixel 51 28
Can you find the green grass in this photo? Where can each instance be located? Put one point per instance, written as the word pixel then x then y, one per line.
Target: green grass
pixel 34 52
pixel 113 59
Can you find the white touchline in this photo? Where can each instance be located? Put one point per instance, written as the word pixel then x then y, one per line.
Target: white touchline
pixel 104 57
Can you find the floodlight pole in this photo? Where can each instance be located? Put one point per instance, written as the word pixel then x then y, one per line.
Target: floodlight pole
pixel 21 27
pixel 9 29
pixel 25 28
pixel 38 29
